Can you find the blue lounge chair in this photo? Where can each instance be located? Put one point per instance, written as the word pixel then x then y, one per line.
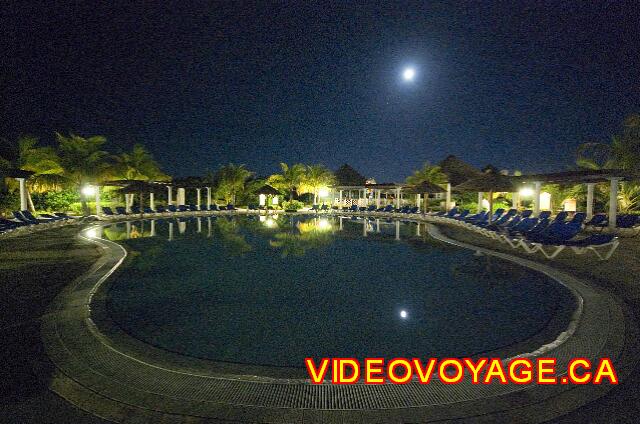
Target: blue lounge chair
pixel 214 207
pixel 578 218
pixel 183 208
pixel 172 208
pixel 106 210
pixel 230 207
pixel 462 215
pixel 502 220
pixel 324 208
pixel 20 217
pixel 193 208
pixel 53 217
pixel 371 208
pixel 627 220
pixel 560 217
pixel 594 242
pixel 149 210
pixel 353 208
pixel 121 211
pixel 161 209
pixel 484 222
pixel 452 212
pixel 135 210
pixel 599 220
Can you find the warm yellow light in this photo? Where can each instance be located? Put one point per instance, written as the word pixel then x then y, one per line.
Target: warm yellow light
pixel 324 224
pixel 526 192
pixel 263 199
pixel 323 192
pixel 270 223
pixel 91 233
pixel 88 190
pixel 274 200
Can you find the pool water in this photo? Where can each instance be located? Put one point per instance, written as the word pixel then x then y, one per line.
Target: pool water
pixel 272 291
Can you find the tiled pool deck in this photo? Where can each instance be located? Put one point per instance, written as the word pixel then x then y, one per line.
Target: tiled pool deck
pixel 120 379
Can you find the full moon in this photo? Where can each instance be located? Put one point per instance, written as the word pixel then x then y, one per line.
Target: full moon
pixel 403 314
pixel 408 74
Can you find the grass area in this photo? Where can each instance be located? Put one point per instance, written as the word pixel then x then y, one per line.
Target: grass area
pixel 33 270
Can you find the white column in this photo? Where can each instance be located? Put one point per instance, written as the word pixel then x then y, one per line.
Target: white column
pixel 170 231
pixel 98 206
pixel 340 200
pixel 128 201
pixel 152 201
pixel 24 203
pixel 515 200
pixel 182 226
pixel 181 196
pixel 209 230
pixel 613 203
pixel 418 230
pixel 199 225
pixel 418 200
pixel 536 198
pixel 398 198
pixel 447 202
pixel 397 230
pixel 169 195
pixel 590 188
pixel 377 198
pixel 480 198
pixel 198 198
pixel 208 198
pixel 152 232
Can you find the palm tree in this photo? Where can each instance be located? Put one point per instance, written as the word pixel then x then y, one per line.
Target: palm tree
pixel 138 164
pixel 428 173
pixel 622 153
pixel 42 161
pixel 316 177
pixel 290 179
pixel 230 181
pixel 84 161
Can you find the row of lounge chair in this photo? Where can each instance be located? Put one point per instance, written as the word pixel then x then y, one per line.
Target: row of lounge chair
pixel 389 209
pixel 542 233
pixel 135 210
pixel 25 220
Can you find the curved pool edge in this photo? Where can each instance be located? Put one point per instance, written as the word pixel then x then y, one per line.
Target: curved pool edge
pixel 86 358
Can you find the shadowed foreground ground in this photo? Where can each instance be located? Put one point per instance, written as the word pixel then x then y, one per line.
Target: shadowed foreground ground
pixel 33 269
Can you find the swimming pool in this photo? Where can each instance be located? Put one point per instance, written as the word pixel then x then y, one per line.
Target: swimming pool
pixel 274 290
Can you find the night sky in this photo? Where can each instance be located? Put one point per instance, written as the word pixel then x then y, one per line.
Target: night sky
pixel 203 84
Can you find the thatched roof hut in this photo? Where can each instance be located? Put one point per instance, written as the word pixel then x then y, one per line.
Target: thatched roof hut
pixel 457 170
pixel 347 176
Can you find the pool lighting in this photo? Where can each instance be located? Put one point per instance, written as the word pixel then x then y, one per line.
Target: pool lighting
pixel 91 233
pixel 526 192
pixel 270 223
pixel 88 190
pixel 403 314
